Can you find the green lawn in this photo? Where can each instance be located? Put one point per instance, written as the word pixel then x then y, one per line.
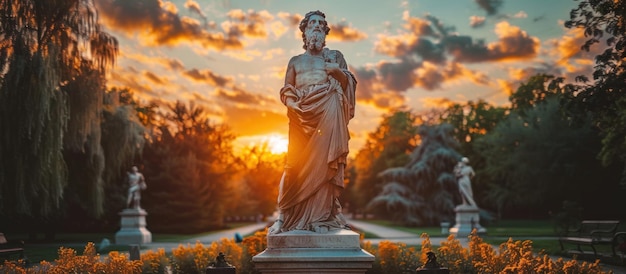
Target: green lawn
pixel 510 228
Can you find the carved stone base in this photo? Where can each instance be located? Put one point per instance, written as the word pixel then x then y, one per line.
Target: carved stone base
pixel 133 228
pixel 467 218
pixel 337 251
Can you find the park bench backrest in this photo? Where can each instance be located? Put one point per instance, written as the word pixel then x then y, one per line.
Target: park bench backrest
pixel 586 227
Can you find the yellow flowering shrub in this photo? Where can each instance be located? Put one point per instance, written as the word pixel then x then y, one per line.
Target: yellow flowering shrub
pixel 252 246
pixel 479 257
pixel 70 262
pixel 155 262
pixel 195 259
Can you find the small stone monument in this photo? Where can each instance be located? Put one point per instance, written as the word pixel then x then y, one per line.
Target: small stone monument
pixel 467 213
pixel 220 266
pixel 133 219
pixel 432 266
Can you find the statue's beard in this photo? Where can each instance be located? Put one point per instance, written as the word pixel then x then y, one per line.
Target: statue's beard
pixel 315 40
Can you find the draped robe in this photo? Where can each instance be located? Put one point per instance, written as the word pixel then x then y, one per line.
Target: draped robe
pixel 465 185
pixel 317 152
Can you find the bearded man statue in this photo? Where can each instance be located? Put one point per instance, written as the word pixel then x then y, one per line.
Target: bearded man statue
pixel 319 94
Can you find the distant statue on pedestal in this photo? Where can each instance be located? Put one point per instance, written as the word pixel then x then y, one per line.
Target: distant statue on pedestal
pixel 464 173
pixel 136 183
pixel 133 229
pixel 467 213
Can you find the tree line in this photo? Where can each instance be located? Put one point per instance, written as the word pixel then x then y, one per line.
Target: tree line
pixel 558 151
pixel 67 141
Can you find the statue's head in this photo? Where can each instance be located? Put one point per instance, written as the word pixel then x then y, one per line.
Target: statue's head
pixel 134 169
pixel 465 160
pixel 314 30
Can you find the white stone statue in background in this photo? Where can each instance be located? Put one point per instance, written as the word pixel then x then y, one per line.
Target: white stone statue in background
pixel 319 93
pixel 464 173
pixel 136 183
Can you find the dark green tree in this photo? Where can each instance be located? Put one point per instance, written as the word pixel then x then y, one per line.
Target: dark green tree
pixel 389 146
pixel 540 159
pixel 422 191
pixel 42 57
pixel 604 97
pixel 189 167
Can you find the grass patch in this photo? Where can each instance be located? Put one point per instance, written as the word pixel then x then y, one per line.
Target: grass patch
pixel 521 228
pixel 431 231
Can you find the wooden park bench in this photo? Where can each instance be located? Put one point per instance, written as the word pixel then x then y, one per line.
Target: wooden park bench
pixel 7 249
pixel 592 233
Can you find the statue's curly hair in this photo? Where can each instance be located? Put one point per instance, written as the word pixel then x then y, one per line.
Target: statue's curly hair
pixel 305 22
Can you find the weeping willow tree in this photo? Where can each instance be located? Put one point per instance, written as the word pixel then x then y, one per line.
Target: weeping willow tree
pixel 47 47
pixel 422 191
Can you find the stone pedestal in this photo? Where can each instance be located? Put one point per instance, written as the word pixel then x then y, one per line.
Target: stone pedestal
pixel 133 228
pixel 467 218
pixel 337 251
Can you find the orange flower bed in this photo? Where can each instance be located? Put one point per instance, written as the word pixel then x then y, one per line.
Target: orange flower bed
pixel 480 257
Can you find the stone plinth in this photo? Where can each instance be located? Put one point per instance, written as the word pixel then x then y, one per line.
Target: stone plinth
pixel 467 218
pixel 337 251
pixel 133 228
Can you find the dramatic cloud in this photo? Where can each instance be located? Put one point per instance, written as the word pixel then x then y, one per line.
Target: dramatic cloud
pixel 419 27
pixel 490 6
pixel 194 7
pixel 240 96
pixel 372 91
pixel 513 43
pixel 250 23
pixel 292 19
pixel 430 54
pixel 207 76
pixel 477 21
pixel 344 32
pixel 155 79
pixel 567 48
pixel 158 23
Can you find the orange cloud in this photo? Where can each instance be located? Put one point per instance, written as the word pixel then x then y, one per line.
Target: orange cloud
pixel 194 7
pixel 158 23
pixel 430 76
pixel 371 91
pixel 477 21
pixel 436 102
pixel 344 32
pixel 250 24
pixel 152 77
pixel 207 76
pixel 243 97
pixel 513 44
pixel 292 19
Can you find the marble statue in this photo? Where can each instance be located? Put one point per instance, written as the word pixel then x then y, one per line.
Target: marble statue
pixel 464 172
pixel 319 93
pixel 136 183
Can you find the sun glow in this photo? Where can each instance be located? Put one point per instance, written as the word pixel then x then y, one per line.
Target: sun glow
pixel 277 143
pixel 274 143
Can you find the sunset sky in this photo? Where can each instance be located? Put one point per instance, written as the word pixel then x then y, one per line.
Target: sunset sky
pixel 230 56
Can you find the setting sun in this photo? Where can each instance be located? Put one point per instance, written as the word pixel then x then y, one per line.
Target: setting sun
pixel 277 143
